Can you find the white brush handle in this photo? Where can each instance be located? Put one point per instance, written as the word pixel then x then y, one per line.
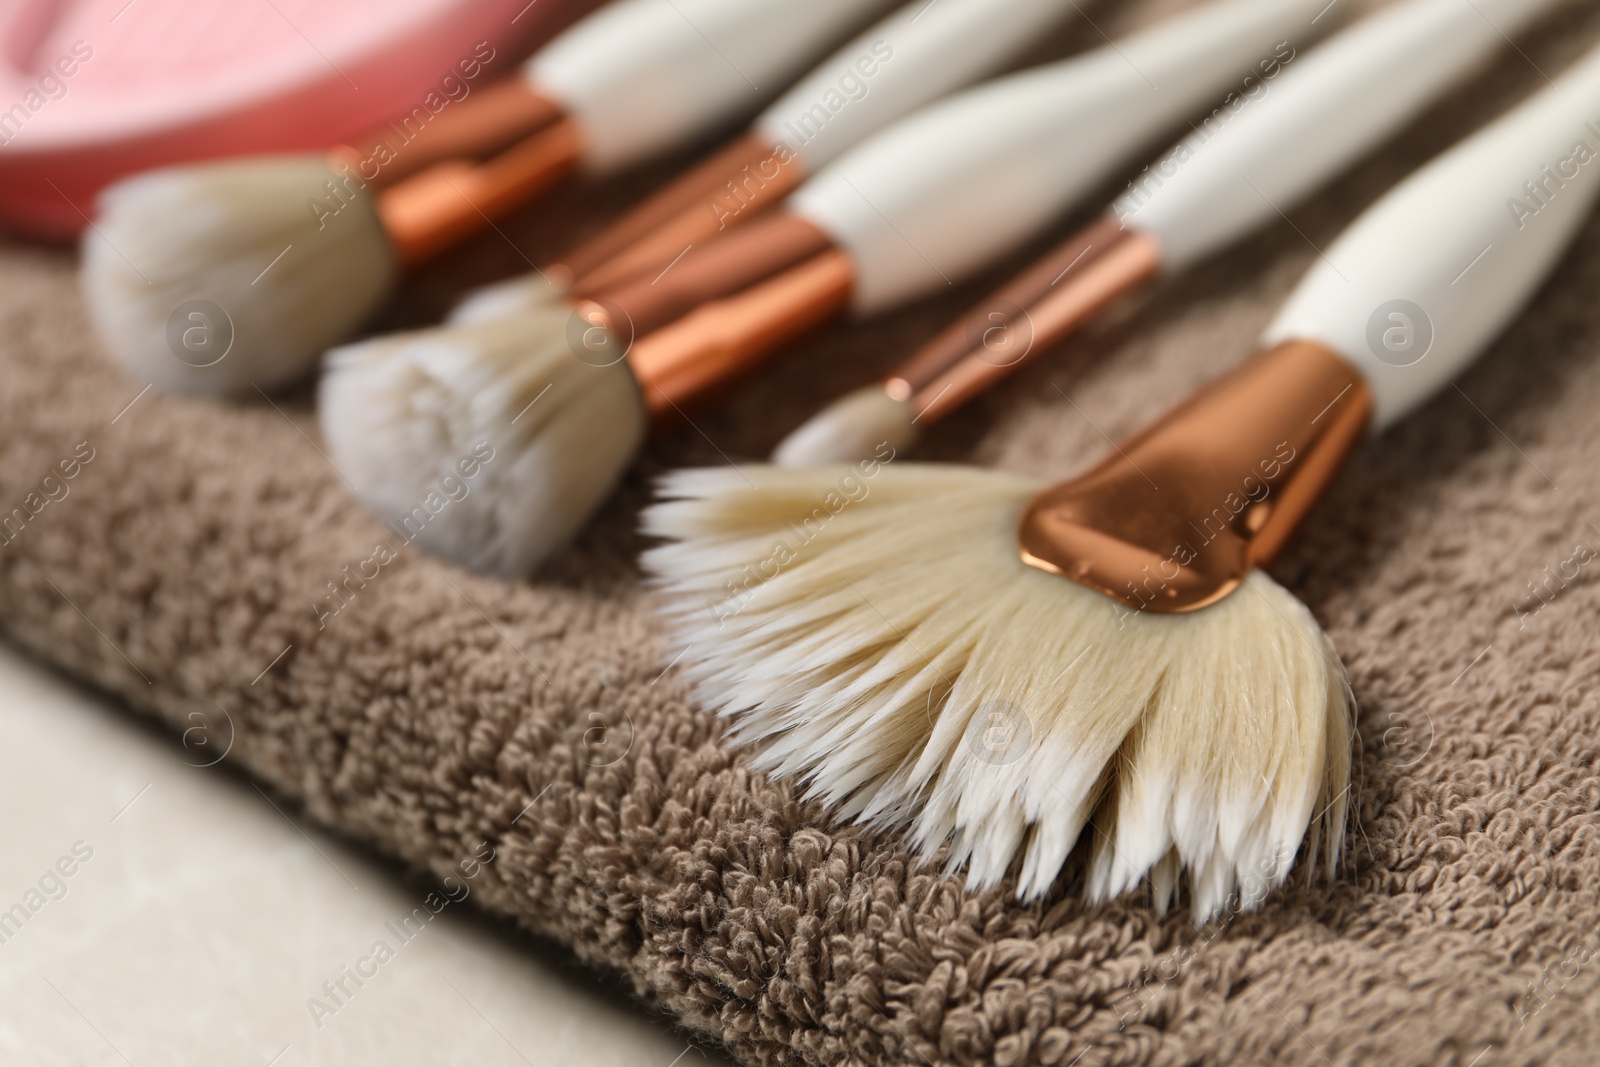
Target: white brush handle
pixel 645 76
pixel 1421 283
pixel 914 56
pixel 950 189
pixel 1286 135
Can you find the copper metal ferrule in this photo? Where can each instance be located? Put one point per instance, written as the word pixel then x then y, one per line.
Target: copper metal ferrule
pixel 734 186
pixel 450 201
pixel 1038 309
pixel 678 365
pixel 719 310
pixel 1178 516
pixel 484 123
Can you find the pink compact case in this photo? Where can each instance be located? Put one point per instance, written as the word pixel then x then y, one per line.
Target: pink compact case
pixel 92 90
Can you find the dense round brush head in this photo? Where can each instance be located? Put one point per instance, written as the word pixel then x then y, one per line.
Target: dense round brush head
pixel 219 277
pixel 525 292
pixel 857 426
pixel 872 631
pixel 490 444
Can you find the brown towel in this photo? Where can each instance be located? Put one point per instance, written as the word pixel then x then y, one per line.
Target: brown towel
pixel 185 563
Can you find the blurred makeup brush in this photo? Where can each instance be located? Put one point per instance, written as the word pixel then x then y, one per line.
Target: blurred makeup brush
pixel 297 251
pixel 1235 173
pixel 916 55
pixel 955 185
pixel 991 664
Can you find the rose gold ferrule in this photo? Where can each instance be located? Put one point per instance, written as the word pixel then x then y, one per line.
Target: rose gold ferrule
pixel 487 121
pixel 735 185
pixel 721 308
pixel 681 363
pixel 722 268
pixel 450 201
pixel 1043 305
pixel 1178 516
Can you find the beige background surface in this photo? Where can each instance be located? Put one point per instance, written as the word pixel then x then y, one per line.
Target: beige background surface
pixel 207 919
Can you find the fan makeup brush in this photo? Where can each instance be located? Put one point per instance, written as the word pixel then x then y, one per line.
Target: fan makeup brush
pixel 565 393
pixel 1232 175
pixel 993 665
pixel 295 252
pixel 916 55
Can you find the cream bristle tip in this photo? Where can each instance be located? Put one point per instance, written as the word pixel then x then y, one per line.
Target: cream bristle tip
pixel 220 277
pixel 870 630
pixel 504 299
pixel 489 444
pixel 854 427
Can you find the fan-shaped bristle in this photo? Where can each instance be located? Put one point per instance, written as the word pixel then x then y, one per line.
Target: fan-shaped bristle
pixel 488 444
pixel 219 277
pixel 872 631
pixel 513 296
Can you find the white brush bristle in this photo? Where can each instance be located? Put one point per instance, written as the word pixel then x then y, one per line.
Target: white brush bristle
pixel 242 236
pixel 526 292
pixel 854 427
pixel 873 632
pixel 402 413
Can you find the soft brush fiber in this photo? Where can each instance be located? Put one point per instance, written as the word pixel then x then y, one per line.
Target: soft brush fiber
pixel 200 534
pixel 408 414
pixel 872 630
pixel 240 235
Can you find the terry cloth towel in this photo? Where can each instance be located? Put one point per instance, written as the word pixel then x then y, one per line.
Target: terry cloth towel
pixel 188 559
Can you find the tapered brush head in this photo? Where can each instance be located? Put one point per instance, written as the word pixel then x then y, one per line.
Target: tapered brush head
pixel 219 277
pixel 872 632
pixel 857 426
pixel 488 444
pixel 505 299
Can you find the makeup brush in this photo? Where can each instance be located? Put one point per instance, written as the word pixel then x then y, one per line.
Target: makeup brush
pixel 955 185
pixel 1262 152
pixel 187 81
pixel 290 254
pixel 993 665
pixel 916 55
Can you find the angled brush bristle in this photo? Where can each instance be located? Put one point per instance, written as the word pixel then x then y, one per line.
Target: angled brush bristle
pixel 851 428
pixel 874 633
pixel 513 296
pixel 544 435
pixel 245 238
